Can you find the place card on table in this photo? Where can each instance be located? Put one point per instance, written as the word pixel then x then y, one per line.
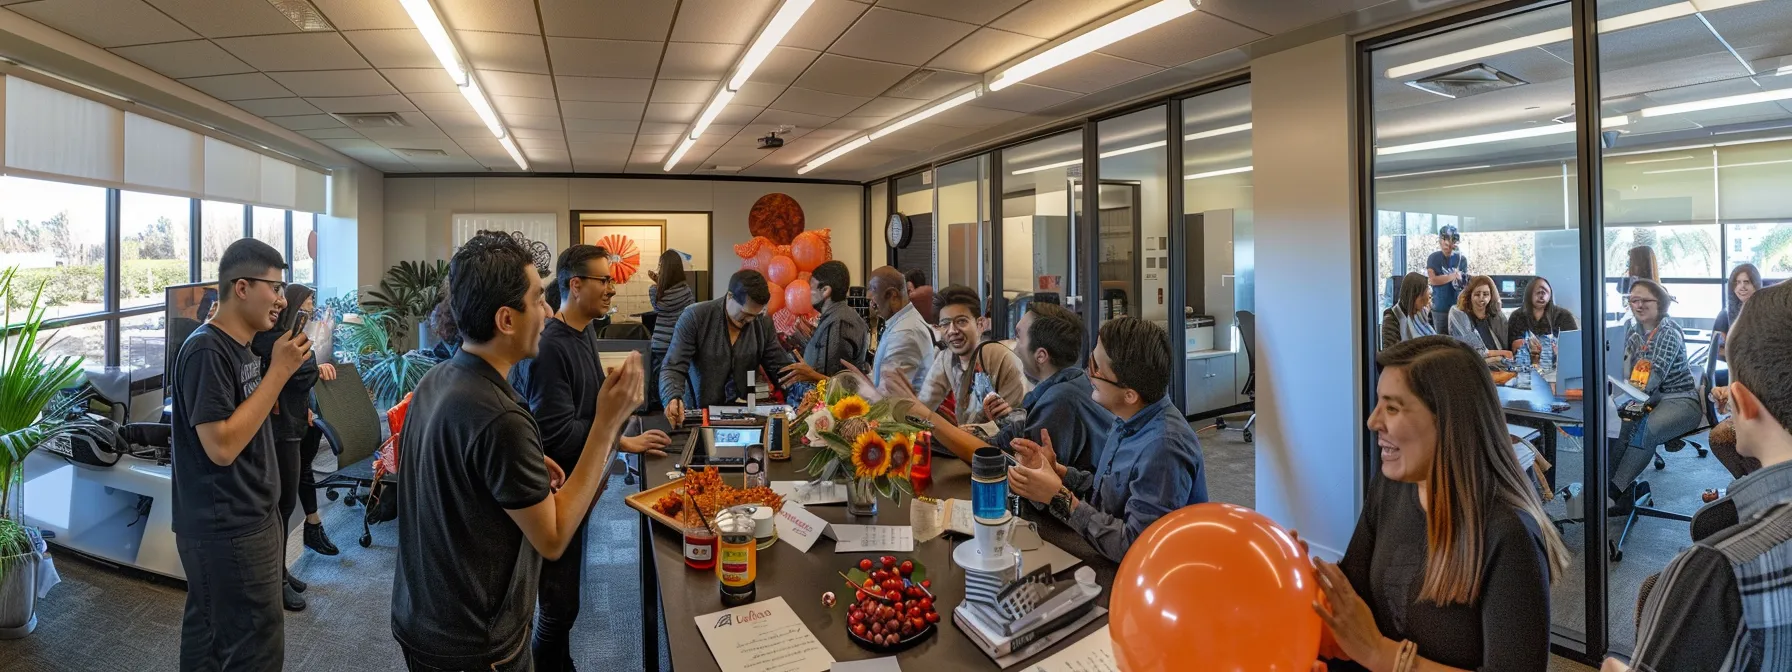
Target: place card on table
pixel 884 664
pixel 810 493
pixel 866 538
pixel 1094 653
pixel 763 637
pixel 800 528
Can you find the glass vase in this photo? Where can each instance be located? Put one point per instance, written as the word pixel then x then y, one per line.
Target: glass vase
pixel 861 497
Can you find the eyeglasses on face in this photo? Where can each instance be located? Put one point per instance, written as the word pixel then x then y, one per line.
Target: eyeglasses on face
pixel 1638 303
pixel 599 279
pixel 962 323
pixel 1095 373
pixel 278 285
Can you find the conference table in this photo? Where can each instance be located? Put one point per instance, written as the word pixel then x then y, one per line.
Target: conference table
pixel 1537 407
pixel 683 594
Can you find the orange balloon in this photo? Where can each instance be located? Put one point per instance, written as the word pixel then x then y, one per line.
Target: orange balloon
pixel 810 249
pixel 1215 587
pixel 796 299
pixel 781 270
pixel 762 259
pixel 777 301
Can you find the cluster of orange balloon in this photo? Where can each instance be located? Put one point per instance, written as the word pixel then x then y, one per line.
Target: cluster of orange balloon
pixel 787 269
pixel 1215 587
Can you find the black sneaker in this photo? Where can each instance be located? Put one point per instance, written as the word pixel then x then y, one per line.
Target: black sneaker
pixel 317 540
pixel 293 600
pixel 297 585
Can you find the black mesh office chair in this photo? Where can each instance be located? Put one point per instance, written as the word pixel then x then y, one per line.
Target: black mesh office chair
pixel 1247 332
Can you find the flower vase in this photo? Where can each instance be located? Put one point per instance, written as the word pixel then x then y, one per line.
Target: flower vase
pixel 861 497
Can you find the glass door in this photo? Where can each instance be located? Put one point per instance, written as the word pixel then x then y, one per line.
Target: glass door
pixel 1038 211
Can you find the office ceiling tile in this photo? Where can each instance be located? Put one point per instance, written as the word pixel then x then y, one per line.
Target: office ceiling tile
pixel 576 126
pixel 1275 18
pixel 1187 38
pixel 526 85
pixel 899 37
pixel 887 107
pixel 608 19
pixel 305 122
pixel 363 104
pixel 106 23
pixel 825 22
pixel 652 127
pixel 441 102
pixel 929 84
pixel 509 105
pixel 772 118
pixel 721 21
pixel 423 130
pixel 784 65
pixel 238 87
pixel 572 109
pixel 364 15
pixel 538 133
pixel 734 157
pixel 331 133
pixel 604 89
pixel 738 115
pixel 851 76
pixel 657 139
pixel 694 60
pixel 454 123
pixel 393 48
pixel 298 51
pixel 818 102
pixel 503 51
pixel 757 94
pixel 858 123
pixel 978 11
pixel 580 57
pixel 194 58
pixel 1091 73
pixel 277 107
pixel 422 80
pixel 1049 19
pixel 1023 98
pixel 539 146
pixel 599 141
pixel 497 16
pixel 321 83
pixel 227 18
pixel 535 122
pixel 973 117
pixel 984 50
pixel 672 113
pixel 684 91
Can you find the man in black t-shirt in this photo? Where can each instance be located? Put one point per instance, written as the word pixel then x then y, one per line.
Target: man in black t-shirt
pixel 479 505
pixel 1447 270
pixel 225 483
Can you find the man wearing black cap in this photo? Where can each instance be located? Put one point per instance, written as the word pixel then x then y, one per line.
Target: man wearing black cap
pixel 1448 271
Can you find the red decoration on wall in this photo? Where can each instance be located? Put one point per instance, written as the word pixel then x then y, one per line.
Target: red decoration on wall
pixel 776 216
pixel 625 256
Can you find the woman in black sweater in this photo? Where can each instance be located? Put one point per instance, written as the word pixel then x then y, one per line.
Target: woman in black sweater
pixel 1539 316
pixel 296 439
pixel 1453 552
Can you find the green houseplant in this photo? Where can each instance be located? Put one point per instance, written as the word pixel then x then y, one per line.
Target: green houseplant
pixel 31 413
pixel 389 371
pixel 408 292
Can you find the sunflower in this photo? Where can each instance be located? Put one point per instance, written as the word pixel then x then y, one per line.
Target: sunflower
pixel 870 456
pixel 902 453
pixel 850 407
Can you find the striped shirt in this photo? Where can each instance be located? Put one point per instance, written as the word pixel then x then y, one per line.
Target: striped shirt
pixel 667 309
pixel 1665 348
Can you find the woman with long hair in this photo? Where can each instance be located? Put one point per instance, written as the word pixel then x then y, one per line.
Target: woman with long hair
pixel 1452 558
pixel 1539 317
pixel 296 438
pixel 1744 281
pixel 1410 316
pixel 1478 321
pixel 1655 363
pixel 670 295
pixel 1640 264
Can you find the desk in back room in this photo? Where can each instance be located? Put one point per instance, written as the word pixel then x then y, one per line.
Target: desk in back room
pixel 682 594
pixel 1533 408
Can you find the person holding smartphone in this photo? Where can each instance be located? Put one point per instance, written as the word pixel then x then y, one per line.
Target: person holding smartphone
pixel 225 480
pixel 1447 271
pixel 295 439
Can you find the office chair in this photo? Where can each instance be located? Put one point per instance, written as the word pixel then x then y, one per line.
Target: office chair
pixel 1247 332
pixel 346 417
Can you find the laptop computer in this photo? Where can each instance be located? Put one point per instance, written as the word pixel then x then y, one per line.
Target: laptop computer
pixel 1570 365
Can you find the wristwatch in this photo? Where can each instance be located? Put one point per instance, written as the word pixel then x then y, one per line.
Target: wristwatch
pixel 1061 504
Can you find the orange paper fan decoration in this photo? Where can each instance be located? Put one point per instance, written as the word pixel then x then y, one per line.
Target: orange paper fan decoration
pixel 625 256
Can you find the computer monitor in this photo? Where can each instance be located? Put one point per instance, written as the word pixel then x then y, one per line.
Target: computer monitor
pixel 1570 366
pixel 185 308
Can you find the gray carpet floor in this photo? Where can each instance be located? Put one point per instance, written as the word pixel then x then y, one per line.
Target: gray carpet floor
pixel 105 618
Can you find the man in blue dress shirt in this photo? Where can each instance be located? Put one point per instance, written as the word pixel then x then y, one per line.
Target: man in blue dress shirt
pixel 1151 464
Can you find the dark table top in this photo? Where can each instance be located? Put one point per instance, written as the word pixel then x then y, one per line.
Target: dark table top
pixel 1535 403
pixel 801 578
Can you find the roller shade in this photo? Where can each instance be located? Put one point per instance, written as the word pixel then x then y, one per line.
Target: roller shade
pixel 163 157
pixel 231 172
pixel 56 134
pixel 279 182
pixel 311 196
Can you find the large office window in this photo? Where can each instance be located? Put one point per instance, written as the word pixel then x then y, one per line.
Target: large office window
pixel 1133 228
pixel 269 226
pixel 963 226
pixel 220 224
pixel 1219 268
pixel 154 233
pixel 304 247
pixel 1037 212
pixel 55 234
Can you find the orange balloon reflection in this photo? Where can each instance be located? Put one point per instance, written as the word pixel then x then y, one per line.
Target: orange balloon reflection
pixel 1215 587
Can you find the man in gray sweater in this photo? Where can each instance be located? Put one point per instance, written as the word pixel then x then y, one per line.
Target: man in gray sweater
pixel 715 345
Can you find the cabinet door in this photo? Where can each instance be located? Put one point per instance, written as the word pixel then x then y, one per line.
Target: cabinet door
pixel 1211 384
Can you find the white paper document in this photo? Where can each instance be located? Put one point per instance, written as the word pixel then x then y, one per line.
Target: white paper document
pixel 1094 653
pixel 763 637
pixel 810 493
pixel 798 527
pixel 885 664
pixel 863 538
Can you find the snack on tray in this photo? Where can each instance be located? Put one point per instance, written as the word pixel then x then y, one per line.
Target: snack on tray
pixel 710 495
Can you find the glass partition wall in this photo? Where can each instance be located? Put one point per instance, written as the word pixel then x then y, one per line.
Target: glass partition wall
pixel 1218 270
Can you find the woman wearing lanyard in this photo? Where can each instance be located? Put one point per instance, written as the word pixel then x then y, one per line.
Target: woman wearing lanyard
pixel 1655 361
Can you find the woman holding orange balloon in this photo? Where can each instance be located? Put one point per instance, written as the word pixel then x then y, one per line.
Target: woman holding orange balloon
pixel 1451 561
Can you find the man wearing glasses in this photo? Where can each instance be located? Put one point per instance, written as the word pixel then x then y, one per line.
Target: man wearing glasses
pixel 1448 271
pixel 1152 462
pixel 225 478
pixel 969 369
pixel 560 385
pixel 716 344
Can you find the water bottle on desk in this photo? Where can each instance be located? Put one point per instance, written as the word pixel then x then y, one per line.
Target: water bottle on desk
pixel 1523 357
pixel 1546 355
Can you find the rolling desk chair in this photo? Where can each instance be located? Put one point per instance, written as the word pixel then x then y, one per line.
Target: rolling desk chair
pixel 1247 332
pixel 1638 499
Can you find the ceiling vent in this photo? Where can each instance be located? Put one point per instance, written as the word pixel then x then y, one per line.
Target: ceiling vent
pixel 908 83
pixel 420 153
pixel 372 120
pixel 1468 81
pixel 302 14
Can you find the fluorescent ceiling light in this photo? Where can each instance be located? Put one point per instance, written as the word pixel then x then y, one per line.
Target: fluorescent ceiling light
pixel 768 38
pixel 1616 23
pixel 1706 168
pixel 1537 132
pixel 1218 132
pixel 515 154
pixel 423 15
pixel 482 107
pixel 1114 31
pixel 1784 70
pixel 912 119
pixel 1217 173
pixel 834 153
pixel 679 153
pixel 1049 166
pixel 1430 172
pixel 1671 158
pixel 1715 103
pixel 1135 148
pixel 710 113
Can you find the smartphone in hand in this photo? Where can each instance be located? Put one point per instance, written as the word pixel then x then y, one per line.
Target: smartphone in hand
pixel 300 321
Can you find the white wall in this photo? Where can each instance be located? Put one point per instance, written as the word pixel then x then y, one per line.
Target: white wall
pixel 419 210
pixel 1309 432
pixel 351 236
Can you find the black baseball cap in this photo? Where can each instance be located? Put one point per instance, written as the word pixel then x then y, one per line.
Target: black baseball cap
pixel 1449 231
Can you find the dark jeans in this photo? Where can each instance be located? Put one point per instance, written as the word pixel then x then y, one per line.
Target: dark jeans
pixel 298 485
pixel 557 605
pixel 233 619
pixel 517 662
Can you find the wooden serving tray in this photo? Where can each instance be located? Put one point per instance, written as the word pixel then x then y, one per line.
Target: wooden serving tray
pixel 643 501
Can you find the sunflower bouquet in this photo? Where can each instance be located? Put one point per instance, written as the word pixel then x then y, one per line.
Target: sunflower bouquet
pixel 857 439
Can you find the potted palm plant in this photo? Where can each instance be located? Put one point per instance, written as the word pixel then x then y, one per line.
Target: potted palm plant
pixel 31 413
